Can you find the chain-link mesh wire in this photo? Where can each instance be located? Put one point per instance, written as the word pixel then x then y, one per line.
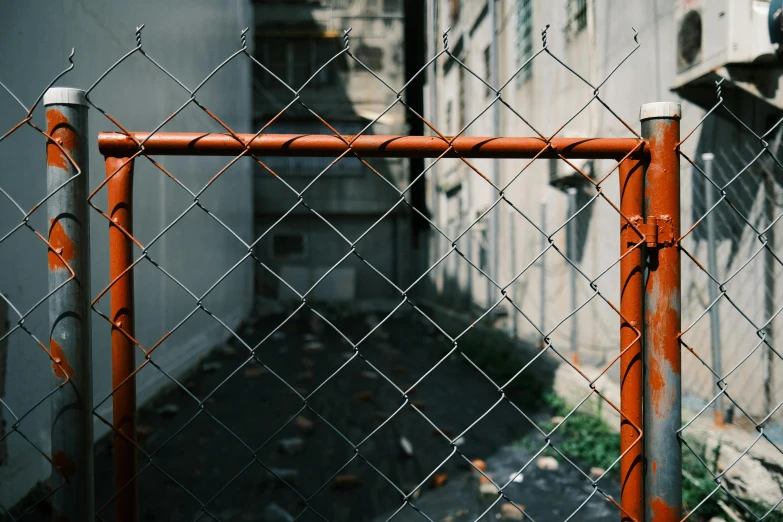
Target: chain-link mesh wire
pixel 746 196
pixel 256 350
pixel 24 296
pixel 731 358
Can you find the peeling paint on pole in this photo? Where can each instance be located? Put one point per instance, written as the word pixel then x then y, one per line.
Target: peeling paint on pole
pixel 69 311
pixel 662 297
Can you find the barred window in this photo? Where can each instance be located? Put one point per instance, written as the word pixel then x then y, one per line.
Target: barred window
pixel 294 60
pixel 524 39
pixel 576 11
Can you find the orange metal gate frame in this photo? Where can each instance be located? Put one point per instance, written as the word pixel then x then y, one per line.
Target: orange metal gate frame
pixel 638 232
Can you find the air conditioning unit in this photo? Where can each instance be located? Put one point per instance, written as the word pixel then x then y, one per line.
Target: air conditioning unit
pixel 731 39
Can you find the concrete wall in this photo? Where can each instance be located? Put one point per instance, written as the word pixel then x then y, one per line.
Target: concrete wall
pixel 190 39
pixel 548 99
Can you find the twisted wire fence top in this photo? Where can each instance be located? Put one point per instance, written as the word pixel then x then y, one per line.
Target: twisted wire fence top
pixel 745 207
pixel 23 227
pixel 254 352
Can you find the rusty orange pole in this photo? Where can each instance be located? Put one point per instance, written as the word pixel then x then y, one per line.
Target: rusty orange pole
pixel 662 298
pixel 370 146
pixel 120 188
pixel 631 307
pixel 69 306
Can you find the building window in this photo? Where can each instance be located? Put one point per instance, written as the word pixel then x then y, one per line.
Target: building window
pixel 462 99
pixel 576 11
pixel 288 246
pixel 391 6
pixel 449 116
pixel 294 60
pixel 524 39
pixel 488 69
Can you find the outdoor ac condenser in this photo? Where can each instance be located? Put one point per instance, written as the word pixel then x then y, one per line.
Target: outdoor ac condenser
pixel 732 39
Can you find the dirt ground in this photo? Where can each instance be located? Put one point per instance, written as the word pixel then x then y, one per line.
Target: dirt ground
pixel 354 447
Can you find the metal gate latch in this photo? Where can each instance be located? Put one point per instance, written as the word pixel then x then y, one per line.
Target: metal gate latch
pixel 658 231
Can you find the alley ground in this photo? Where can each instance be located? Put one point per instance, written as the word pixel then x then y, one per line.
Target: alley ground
pixel 248 409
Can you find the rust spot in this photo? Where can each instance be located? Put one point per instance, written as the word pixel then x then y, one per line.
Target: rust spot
pixel 655 466
pixel 663 511
pixel 64 464
pixel 60 129
pixel 61 366
pixel 61 244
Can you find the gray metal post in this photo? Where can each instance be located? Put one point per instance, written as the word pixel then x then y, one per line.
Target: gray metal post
pixel 769 290
pixel 544 244
pixel 712 267
pixel 494 231
pixel 512 260
pixel 69 311
pixel 571 249
pixel 662 319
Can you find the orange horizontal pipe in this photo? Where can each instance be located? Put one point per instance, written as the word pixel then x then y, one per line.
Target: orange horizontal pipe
pixel 116 144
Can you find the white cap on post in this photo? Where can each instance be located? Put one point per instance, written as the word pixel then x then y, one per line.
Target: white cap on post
pixel 65 96
pixel 660 110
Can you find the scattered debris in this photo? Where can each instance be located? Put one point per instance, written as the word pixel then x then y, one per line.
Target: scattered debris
pixel 439 479
pixel 479 464
pixel 254 372
pixel 486 478
pixel 274 513
pixel 597 472
pixel 228 351
pixel 278 474
pixel 406 446
pixel 460 441
pixel 211 366
pixel 168 410
pixel 557 420
pixel 291 446
pixel 346 481
pixel 367 374
pixel 363 396
pixel 509 511
pixel 416 494
pixel 419 404
pixel 142 430
pixel 547 463
pixel 488 490
pixel 313 346
pixel 304 424
pixel 516 478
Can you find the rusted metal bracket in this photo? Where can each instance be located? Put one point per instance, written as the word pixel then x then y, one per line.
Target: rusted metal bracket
pixel 657 230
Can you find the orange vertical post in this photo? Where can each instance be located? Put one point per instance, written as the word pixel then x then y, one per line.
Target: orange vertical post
pixel 662 298
pixel 120 188
pixel 631 309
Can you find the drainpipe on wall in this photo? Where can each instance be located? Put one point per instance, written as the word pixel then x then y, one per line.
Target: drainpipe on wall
pixel 494 231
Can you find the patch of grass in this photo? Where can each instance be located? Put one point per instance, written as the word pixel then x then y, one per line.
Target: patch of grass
pixel 501 357
pixel 585 438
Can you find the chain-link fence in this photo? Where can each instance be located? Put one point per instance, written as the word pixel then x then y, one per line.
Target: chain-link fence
pixel 730 314
pixel 318 403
